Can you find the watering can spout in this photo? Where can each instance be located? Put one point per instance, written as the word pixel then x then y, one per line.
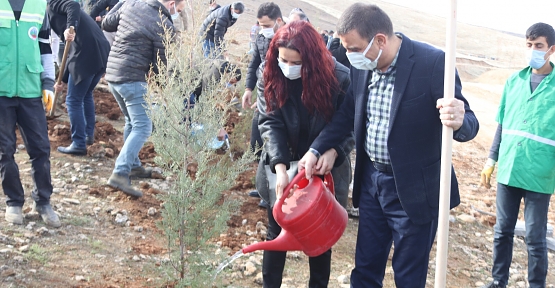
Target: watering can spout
pixel 284 242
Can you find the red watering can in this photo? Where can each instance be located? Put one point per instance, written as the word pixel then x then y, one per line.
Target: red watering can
pixel 311 219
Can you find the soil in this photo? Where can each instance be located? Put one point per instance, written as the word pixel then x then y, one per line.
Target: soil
pixel 93 250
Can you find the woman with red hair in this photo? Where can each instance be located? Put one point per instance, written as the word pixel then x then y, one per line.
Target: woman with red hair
pixel 300 89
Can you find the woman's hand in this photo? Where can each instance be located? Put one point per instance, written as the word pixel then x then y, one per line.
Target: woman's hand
pixel 282 179
pixel 325 163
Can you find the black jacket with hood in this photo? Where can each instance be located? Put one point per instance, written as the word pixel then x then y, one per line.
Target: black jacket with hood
pixel 215 25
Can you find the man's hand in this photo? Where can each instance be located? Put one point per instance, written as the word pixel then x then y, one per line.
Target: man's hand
pixel 69 36
pixel 282 179
pixel 47 100
pixel 98 19
pixel 247 100
pixel 451 112
pixel 308 163
pixel 325 163
pixel 58 87
pixel 485 176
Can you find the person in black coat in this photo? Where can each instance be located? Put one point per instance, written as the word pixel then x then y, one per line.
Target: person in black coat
pixel 99 10
pixel 86 63
pixel 339 52
pixel 215 26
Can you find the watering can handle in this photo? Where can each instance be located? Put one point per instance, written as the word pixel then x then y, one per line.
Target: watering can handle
pixel 328 181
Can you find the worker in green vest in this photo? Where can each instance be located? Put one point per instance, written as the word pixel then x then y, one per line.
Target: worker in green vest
pixel 26 74
pixel 524 147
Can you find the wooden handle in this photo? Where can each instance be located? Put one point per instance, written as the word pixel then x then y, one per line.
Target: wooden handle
pixel 61 71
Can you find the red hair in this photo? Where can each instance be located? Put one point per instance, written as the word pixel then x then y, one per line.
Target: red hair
pixel 317 72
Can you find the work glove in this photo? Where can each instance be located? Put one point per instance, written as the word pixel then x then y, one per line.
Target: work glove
pixel 47 100
pixel 486 173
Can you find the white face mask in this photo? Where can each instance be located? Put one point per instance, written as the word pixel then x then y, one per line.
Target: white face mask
pixel 175 14
pixel 235 15
pixel 292 72
pixel 268 32
pixel 359 60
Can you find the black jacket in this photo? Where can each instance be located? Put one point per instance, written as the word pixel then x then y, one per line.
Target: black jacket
pixel 260 49
pixel 215 25
pixel 339 52
pixel 137 46
pixel 101 7
pixel 280 131
pixel 89 51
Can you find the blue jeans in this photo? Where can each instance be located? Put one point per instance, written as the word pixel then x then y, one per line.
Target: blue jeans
pixel 536 206
pixel 138 127
pixel 208 48
pixel 80 108
pixel 28 115
pixel 383 222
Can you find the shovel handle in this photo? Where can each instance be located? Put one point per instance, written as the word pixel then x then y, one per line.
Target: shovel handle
pixel 61 71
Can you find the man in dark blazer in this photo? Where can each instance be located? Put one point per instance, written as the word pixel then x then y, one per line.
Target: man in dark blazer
pixel 86 63
pixel 396 107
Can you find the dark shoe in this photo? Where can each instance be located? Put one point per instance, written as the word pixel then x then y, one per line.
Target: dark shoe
pixel 254 193
pixel 73 150
pixel 493 284
pixel 14 214
pixel 48 215
pixel 263 204
pixel 89 140
pixel 124 184
pixel 141 172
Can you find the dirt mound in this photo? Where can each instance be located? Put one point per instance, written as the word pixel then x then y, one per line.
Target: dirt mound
pixel 106 104
pixel 59 133
pixel 147 153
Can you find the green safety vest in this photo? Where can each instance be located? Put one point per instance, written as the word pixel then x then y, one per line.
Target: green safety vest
pixel 20 63
pixel 527 152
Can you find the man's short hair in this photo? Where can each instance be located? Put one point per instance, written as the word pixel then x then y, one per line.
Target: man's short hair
pixel 269 9
pixel 367 19
pixel 239 6
pixel 299 12
pixel 541 30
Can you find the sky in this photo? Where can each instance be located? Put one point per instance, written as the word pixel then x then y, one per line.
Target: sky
pixel 506 15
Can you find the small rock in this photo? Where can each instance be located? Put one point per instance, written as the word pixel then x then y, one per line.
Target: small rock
pixel 136 258
pixel 250 269
pixel 466 218
pixel 343 279
pixel 5 251
pixel 258 278
pixel 479 284
pixel 21 147
pixel 33 270
pixel 244 222
pixel 80 278
pixel 67 164
pixel 138 228
pixel 24 248
pixel 74 179
pixel 18 259
pixel 8 273
pixel 42 231
pixel 109 152
pixel 121 219
pixel 71 201
pixel 151 211
pixel 83 187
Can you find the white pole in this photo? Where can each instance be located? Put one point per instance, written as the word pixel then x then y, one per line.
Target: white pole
pixel 446 144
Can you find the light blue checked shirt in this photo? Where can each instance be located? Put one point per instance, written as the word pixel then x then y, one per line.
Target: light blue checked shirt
pixel 377 110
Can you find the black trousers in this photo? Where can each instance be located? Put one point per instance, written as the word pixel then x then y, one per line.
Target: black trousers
pixel 256 138
pixel 273 262
pixel 28 115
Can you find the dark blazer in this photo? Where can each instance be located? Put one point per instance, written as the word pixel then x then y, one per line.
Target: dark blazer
pixel 89 51
pixel 414 142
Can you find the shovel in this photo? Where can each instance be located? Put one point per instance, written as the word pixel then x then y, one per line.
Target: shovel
pixel 60 75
